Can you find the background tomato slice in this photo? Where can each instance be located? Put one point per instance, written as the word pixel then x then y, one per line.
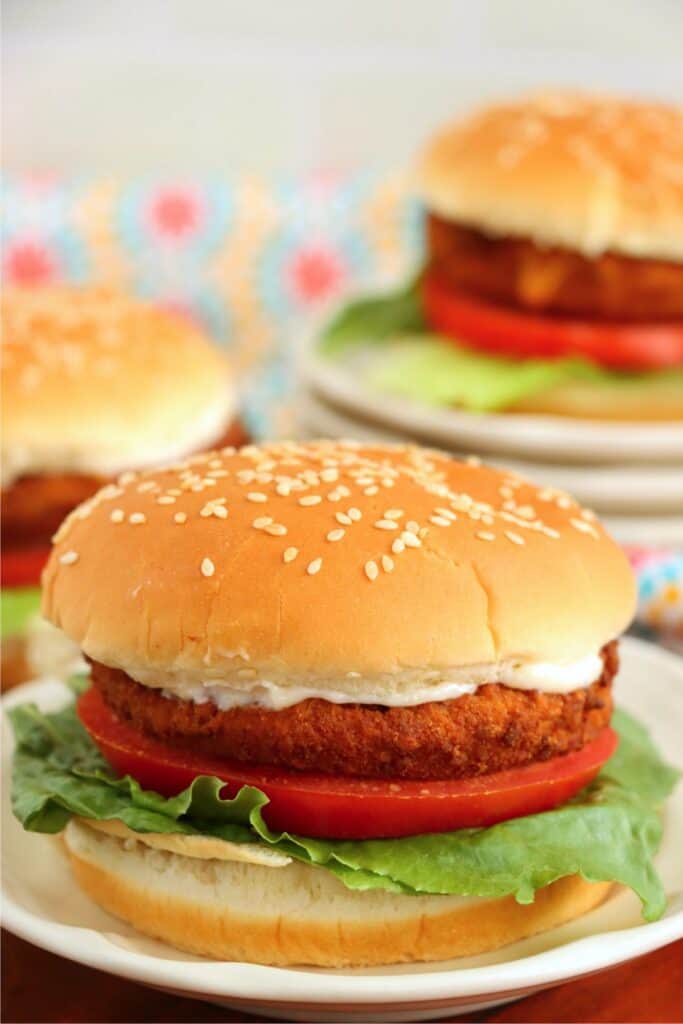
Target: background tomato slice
pixel 505 332
pixel 23 566
pixel 349 808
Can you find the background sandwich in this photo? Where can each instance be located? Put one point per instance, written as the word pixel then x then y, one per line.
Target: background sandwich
pixel 553 265
pixel 93 383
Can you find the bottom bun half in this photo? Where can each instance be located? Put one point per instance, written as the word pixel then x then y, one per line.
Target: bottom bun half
pixel 637 401
pixel 295 914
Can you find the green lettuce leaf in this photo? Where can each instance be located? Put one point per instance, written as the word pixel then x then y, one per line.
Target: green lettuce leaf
pixel 18 605
pixel 402 358
pixel 609 831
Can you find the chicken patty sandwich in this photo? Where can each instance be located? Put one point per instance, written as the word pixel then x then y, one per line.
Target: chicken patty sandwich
pixel 553 272
pixel 346 705
pixel 93 383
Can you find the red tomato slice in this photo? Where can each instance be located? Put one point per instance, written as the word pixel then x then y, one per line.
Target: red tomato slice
pixel 349 808
pixel 23 566
pixel 506 332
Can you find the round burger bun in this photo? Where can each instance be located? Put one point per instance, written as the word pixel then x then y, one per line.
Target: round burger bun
pixel 298 914
pixel 586 172
pixel 300 562
pixel 94 382
pixel 638 400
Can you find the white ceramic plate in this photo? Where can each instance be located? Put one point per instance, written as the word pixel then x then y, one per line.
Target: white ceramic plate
pixel 43 905
pixel 640 506
pixel 550 437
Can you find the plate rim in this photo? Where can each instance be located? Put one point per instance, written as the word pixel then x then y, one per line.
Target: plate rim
pixel 254 982
pixel 540 434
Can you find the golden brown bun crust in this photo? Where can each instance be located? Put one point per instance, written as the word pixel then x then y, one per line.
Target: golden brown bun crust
pixel 501 568
pixel 94 381
pixel 300 914
pixel 588 172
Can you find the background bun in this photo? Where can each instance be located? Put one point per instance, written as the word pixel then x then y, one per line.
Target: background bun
pixel 589 173
pixel 332 557
pixel 299 914
pixel 94 382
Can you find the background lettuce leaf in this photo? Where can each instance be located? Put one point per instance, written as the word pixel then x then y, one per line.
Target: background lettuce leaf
pixel 17 606
pixel 402 358
pixel 609 831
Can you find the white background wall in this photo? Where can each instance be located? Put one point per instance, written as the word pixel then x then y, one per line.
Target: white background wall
pixel 134 85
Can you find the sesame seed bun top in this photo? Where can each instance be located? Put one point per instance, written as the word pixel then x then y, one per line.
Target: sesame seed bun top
pixel 333 557
pixel 589 173
pixel 95 382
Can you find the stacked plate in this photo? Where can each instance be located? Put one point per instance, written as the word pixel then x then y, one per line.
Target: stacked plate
pixel 630 473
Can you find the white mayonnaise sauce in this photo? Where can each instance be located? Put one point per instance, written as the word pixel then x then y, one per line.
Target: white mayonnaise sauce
pixel 401 689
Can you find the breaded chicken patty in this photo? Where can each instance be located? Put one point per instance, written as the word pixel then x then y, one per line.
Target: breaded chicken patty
pixel 491 730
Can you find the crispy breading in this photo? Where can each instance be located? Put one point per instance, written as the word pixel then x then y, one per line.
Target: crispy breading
pixel 491 730
pixel 516 272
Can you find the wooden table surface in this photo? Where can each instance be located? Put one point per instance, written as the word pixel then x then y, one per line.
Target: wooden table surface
pixel 38 986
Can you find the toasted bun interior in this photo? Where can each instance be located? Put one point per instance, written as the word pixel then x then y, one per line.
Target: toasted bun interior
pixel 587 172
pixel 299 914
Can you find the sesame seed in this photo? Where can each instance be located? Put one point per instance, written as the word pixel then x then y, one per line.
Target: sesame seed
pixel 394 513
pixel 398 546
pixel 146 485
pixel 514 537
pixel 343 491
pixel 564 502
pixel 257 496
pixel 310 499
pixel 117 515
pixel 355 514
pixel 335 534
pixel 215 463
pixel 206 511
pixel 371 491
pixel 549 532
pixel 386 524
pixel 387 563
pixel 276 530
pixel 583 527
pixel 289 554
pixel 387 481
pixel 485 535
pixel 283 489
pixel 217 473
pixel 342 518
pixel 329 476
pixel 262 522
pixel 313 567
pixel 588 514
pixel 68 558
pixel 219 511
pixel 412 526
pixel 439 521
pixel 136 518
pixel 166 499
pixel 473 460
pixel 334 496
pixel 180 517
pixel 410 540
pixel 424 530
pixel 207 567
pixel 371 570
pixel 175 491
